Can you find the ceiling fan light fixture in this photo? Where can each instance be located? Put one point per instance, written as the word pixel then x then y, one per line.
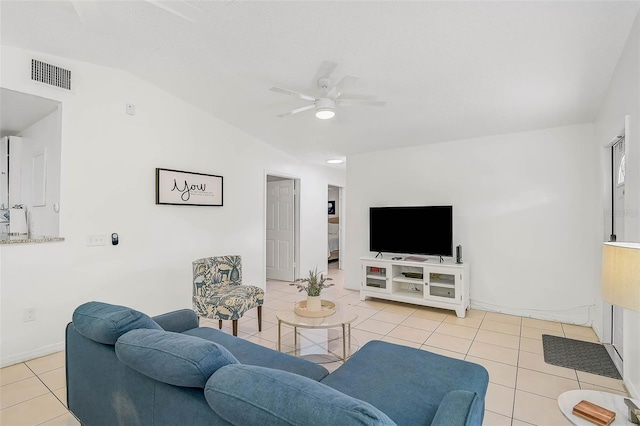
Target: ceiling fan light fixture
pixel 325 108
pixel 325 113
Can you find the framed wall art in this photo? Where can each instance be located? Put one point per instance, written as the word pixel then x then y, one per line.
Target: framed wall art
pixel 182 188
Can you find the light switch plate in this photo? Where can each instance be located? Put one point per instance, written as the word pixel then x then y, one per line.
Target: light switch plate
pixel 96 240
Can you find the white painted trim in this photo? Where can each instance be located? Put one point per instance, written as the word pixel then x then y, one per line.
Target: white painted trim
pixel 615 358
pixel 635 394
pixel 559 315
pixel 29 355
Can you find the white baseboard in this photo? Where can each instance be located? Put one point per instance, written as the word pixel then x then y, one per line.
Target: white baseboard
pixel 29 355
pixel 577 316
pixel 633 392
pixel 598 331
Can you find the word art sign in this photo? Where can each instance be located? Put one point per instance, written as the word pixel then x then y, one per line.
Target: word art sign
pixel 188 189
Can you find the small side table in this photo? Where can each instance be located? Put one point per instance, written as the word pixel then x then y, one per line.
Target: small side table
pixel 607 400
pixel 341 318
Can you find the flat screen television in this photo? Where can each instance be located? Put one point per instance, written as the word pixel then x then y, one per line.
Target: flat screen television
pixel 426 230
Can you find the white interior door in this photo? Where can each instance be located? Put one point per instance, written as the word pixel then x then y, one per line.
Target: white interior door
pixel 280 230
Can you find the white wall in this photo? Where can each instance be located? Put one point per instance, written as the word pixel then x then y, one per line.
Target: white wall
pixel 107 185
pixel 524 210
pixel 43 136
pixel 623 99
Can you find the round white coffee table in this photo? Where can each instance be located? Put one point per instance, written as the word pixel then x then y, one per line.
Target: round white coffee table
pixel 610 401
pixel 306 343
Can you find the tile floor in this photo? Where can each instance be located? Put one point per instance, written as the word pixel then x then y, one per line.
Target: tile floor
pixel 522 389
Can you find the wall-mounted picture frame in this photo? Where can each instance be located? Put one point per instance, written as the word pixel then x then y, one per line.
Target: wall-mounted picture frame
pixel 332 207
pixel 180 188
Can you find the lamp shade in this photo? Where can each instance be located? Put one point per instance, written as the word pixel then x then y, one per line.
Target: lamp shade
pixel 621 274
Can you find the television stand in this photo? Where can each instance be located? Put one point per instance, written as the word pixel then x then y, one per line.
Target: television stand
pixel 443 285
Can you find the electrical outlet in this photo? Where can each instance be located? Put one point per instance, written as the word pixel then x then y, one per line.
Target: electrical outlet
pixel 96 240
pixel 29 314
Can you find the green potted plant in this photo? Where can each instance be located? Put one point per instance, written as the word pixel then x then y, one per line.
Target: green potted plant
pixel 313 285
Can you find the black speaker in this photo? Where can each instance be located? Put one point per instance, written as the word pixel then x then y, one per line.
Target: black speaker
pixel 459 254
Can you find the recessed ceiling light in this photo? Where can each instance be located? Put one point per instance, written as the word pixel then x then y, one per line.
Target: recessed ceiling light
pixel 335 161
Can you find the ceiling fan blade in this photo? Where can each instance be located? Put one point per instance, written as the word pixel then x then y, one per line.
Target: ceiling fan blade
pixel 346 81
pixel 356 102
pixel 293 93
pixel 326 69
pixel 179 8
pixel 297 110
pixel 354 96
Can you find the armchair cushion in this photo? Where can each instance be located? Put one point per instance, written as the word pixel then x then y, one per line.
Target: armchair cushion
pixel 173 358
pixel 280 398
pixel 105 323
pixel 228 302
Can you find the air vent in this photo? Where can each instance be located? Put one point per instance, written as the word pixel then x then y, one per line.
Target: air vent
pixel 50 74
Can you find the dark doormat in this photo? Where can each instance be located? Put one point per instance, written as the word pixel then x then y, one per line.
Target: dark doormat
pixel 578 355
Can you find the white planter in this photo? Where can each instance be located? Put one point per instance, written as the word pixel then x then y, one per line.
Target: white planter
pixel 314 303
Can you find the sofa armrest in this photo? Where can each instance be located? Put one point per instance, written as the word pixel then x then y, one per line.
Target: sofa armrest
pixel 178 321
pixel 460 408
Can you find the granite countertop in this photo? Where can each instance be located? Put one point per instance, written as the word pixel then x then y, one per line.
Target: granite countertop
pixel 22 239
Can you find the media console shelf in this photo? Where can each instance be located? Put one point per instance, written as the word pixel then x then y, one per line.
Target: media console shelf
pixel 428 283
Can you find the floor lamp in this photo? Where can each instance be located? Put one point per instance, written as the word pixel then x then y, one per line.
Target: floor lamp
pixel 621 286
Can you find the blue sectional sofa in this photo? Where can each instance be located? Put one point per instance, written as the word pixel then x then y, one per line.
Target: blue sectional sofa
pixel 125 368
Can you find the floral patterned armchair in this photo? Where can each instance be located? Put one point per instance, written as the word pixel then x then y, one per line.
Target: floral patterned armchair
pixel 218 292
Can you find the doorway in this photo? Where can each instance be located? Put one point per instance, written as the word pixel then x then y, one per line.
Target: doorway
pixel 613 321
pixel 335 226
pixel 282 227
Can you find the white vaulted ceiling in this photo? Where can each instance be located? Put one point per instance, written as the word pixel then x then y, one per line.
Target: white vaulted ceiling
pixel 447 70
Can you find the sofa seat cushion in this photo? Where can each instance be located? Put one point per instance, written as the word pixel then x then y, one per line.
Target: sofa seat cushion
pixel 393 377
pixel 250 353
pixel 172 358
pixel 245 394
pixel 105 323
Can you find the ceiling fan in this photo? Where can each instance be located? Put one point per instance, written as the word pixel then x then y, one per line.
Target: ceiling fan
pixel 331 95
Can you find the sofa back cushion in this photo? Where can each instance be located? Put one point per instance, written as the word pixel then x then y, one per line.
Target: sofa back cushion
pixel 104 323
pixel 173 358
pixel 246 394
